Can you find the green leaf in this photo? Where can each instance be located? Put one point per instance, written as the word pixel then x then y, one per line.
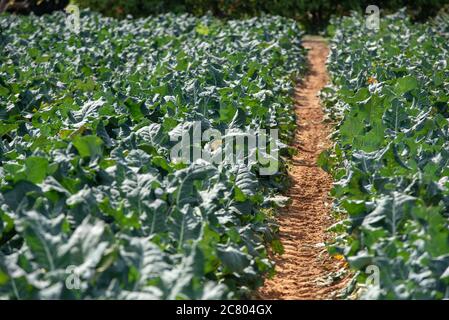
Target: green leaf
pixel 405 84
pixel 88 146
pixel 7 127
pixel 202 29
pixel 36 169
pixel 233 259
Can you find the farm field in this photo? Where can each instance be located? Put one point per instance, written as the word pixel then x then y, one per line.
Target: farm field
pixel 87 126
pixel 389 95
pixel 223 154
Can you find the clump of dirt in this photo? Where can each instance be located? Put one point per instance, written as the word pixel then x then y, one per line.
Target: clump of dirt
pixel 306 270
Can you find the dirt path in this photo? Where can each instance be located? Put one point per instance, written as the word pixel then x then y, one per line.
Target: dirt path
pixel 305 270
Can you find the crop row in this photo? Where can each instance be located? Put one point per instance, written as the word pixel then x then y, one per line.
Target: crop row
pixel 389 97
pixel 91 204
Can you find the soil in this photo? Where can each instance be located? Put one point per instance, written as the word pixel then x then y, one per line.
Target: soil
pixel 306 270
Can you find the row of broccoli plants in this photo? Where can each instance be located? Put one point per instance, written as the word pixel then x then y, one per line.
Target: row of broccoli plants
pixel 389 99
pixel 92 205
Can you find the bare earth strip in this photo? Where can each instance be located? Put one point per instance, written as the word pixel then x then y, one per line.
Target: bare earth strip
pixel 305 270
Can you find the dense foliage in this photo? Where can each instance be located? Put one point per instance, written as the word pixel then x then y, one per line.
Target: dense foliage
pixel 91 206
pixel 38 7
pixel 390 96
pixel 314 15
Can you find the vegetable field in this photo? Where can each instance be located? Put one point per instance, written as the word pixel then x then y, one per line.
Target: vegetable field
pixel 390 97
pixel 183 156
pixel 89 196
